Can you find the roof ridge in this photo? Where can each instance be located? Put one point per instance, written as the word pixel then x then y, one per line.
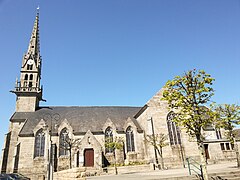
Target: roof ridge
pixel 90 106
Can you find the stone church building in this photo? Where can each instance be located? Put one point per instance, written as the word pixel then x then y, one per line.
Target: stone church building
pixel 37 135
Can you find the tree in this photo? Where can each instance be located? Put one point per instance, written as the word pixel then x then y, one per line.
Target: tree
pixel 187 95
pixel 68 144
pixel 228 117
pixel 158 142
pixel 113 144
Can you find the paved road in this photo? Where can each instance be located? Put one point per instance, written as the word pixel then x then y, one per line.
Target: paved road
pixel 158 174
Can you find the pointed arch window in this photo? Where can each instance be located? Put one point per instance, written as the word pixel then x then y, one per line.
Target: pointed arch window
pixel 39 143
pixel 63 142
pixel 130 139
pixel 173 130
pixel 108 140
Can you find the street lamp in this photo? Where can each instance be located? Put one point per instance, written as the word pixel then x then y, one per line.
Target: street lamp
pixel 154 143
pixel 50 117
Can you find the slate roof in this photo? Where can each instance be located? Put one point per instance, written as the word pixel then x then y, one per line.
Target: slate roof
pixel 81 118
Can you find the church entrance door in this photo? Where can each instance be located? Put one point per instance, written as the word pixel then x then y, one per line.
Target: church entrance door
pixel 88 157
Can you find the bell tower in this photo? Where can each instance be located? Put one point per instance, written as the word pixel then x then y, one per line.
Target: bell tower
pixel 28 90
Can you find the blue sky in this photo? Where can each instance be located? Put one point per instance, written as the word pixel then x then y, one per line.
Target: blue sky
pixel 119 52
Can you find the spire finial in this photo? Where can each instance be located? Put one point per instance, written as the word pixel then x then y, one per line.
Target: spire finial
pixel 38 8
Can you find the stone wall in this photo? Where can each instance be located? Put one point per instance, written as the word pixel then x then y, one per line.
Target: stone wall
pixel 158 110
pixel 14 128
pixel 217 154
pixel 26 104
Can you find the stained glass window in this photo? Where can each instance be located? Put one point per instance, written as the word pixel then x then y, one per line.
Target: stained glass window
pixel 108 140
pixel 173 130
pixel 63 141
pixel 130 139
pixel 39 144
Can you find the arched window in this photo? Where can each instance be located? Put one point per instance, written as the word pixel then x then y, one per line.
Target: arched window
pixel 64 142
pixel 25 83
pixel 130 139
pixel 26 77
pixel 173 130
pixel 108 140
pixel 30 80
pixel 39 144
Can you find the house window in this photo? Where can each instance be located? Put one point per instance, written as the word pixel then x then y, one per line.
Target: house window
pixel 63 142
pixel 39 144
pixel 130 139
pixel 222 146
pixel 108 140
pixel 227 146
pixel 173 130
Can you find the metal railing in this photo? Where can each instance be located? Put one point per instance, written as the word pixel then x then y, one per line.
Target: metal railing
pixel 194 166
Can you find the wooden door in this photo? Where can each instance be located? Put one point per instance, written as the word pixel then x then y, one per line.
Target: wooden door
pixel 88 157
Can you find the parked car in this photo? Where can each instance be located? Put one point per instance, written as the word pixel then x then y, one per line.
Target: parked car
pixel 5 177
pixel 17 176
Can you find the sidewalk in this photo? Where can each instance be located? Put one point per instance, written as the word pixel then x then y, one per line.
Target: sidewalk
pixel 158 174
pixel 212 168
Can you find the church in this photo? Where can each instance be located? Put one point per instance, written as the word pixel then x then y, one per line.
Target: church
pixel 62 137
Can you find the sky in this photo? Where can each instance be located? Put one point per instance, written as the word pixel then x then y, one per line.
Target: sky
pixel 119 52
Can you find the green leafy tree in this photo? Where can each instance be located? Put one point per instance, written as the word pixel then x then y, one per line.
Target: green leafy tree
pixel 187 95
pixel 228 117
pixel 113 145
pixel 158 141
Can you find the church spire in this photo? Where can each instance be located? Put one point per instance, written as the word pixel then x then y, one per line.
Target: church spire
pixel 28 89
pixel 34 44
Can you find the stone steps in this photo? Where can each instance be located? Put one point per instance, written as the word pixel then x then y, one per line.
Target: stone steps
pixel 76 173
